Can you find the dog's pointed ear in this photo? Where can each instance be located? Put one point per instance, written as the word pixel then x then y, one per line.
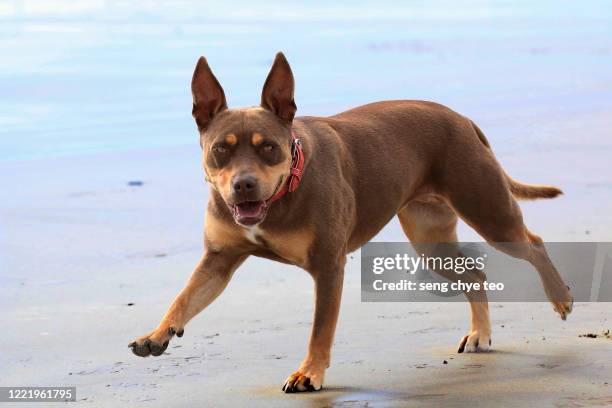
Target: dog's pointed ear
pixel 277 94
pixel 208 96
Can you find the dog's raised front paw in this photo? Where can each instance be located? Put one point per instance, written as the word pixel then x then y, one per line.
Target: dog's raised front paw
pixel 475 342
pixel 304 381
pixel 154 343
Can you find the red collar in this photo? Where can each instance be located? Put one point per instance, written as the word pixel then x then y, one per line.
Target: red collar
pixel 295 172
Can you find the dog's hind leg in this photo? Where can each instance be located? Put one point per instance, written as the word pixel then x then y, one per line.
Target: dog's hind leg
pixel 481 196
pixel 431 221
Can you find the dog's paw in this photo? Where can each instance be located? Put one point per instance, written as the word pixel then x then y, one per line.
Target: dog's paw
pixel 302 381
pixel 564 306
pixel 476 342
pixel 154 343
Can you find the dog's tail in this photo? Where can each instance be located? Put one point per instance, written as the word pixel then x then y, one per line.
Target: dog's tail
pixel 520 190
pixel 531 191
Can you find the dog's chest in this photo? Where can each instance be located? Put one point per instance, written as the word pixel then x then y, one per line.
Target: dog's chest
pixel 293 246
pixel 254 234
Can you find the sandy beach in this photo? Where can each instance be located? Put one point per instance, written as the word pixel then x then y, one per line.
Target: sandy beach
pixel 103 200
pixel 88 279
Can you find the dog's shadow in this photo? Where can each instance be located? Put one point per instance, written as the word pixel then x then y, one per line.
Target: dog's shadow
pixel 465 379
pixel 347 396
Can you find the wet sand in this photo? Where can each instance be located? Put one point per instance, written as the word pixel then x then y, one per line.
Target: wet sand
pixel 115 255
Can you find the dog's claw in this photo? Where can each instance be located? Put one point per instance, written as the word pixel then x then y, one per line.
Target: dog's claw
pixel 462 344
pixel 298 382
pixel 564 308
pixel 475 342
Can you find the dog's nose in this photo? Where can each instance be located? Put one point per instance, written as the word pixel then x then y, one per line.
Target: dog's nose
pixel 244 186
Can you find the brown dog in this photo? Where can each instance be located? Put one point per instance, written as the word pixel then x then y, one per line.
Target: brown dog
pixel 417 160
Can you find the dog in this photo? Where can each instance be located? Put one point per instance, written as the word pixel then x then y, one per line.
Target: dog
pixel 308 190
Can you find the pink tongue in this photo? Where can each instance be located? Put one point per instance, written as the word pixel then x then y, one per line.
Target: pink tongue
pixel 250 210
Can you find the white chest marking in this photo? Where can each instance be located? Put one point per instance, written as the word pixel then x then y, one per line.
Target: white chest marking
pixel 252 234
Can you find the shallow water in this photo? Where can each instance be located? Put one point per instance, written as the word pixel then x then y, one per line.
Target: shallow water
pixel 97 76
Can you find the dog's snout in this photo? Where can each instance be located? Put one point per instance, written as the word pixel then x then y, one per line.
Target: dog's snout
pixel 245 187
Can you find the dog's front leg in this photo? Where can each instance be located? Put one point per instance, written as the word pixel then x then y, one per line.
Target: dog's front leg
pixel 207 282
pixel 328 291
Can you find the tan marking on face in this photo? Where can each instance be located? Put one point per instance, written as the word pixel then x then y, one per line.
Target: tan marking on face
pixel 221 234
pixel 223 180
pixel 293 246
pixel 269 176
pixel 231 139
pixel 257 139
pixel 220 178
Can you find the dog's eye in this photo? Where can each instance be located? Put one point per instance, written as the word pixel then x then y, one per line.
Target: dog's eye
pixel 221 149
pixel 267 147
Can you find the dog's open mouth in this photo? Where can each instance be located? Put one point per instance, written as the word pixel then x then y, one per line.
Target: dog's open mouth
pixel 249 212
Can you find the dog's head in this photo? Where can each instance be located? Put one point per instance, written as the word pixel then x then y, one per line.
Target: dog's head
pixel 246 153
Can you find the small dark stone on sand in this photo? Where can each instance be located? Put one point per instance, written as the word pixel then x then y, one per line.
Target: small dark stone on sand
pixel 445 362
pixel 135 183
pixel 130 304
